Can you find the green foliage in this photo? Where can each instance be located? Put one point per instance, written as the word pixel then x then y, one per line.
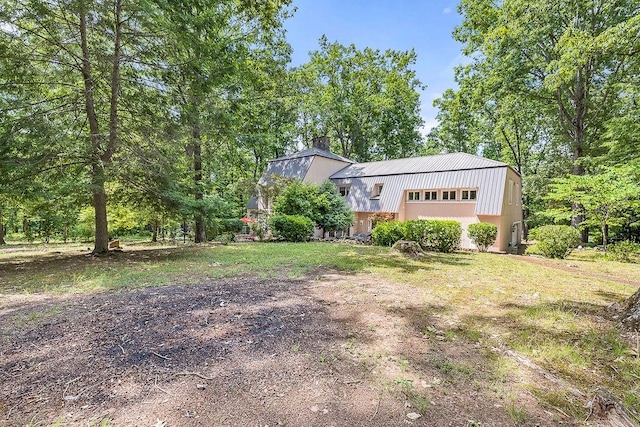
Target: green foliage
pixel 217 227
pixel 483 234
pixel 387 233
pixel 555 241
pixel 624 251
pixel 432 234
pixel 365 100
pixel 606 198
pixel 292 228
pixel 322 204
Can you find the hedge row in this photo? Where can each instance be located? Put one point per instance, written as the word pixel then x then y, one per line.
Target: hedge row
pixel 440 235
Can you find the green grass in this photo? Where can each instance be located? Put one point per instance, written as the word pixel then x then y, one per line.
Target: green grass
pixel 554 315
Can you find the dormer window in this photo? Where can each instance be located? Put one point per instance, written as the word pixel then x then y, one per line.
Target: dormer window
pixel 449 195
pixel 344 190
pixel 377 190
pixel 413 196
pixel 469 194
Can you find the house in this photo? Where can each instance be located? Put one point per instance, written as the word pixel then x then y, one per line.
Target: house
pixel 456 186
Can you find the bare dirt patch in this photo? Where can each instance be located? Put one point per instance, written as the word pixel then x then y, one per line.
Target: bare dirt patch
pixel 334 349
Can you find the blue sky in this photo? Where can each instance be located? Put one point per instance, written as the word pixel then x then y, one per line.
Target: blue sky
pixel 422 25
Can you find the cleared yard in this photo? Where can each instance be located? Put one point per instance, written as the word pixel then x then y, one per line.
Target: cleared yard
pixel 309 334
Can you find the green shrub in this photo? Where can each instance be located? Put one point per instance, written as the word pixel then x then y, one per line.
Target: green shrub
pixel 445 235
pixel 555 241
pixel 432 234
pixel 483 234
pixel 625 251
pixel 216 227
pixel 293 228
pixel 387 233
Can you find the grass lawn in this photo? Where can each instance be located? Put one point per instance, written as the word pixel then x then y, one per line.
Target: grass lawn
pixel 553 313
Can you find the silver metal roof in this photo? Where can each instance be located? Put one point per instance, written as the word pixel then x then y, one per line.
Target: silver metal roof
pixel 294 167
pixel 314 151
pixel 437 163
pixel 490 183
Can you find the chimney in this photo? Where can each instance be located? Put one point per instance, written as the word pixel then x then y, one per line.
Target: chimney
pixel 322 142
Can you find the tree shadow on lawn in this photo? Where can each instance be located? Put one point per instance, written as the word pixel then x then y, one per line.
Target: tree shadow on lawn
pixel 247 342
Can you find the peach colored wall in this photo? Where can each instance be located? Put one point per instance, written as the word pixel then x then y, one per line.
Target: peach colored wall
pixel 322 168
pixel 511 211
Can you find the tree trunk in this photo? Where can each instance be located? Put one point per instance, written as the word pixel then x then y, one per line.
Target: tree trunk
pixel 155 230
pixel 631 314
pixel 101 156
pixel 2 242
pixel 100 206
pixel 200 231
pixel 605 236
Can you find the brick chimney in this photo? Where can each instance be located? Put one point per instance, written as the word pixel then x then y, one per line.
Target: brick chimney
pixel 322 142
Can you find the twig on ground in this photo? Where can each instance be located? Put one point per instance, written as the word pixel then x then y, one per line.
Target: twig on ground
pixel 160 356
pixel 352 382
pixel 121 348
pixel 377 408
pixel 163 390
pixel 197 374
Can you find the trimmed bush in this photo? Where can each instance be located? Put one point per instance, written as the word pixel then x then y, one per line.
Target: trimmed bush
pixel 555 241
pixel 625 251
pixel 432 234
pixel 387 233
pixel 293 228
pixel 483 234
pixel 445 235
pixel 218 226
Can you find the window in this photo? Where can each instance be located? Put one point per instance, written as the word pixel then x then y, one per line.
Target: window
pixel 377 190
pixel 469 194
pixel 431 195
pixel 449 195
pixel 413 196
pixel 344 190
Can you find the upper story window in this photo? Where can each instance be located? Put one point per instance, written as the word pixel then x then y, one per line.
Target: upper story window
pixel 431 195
pixel 344 190
pixel 413 196
pixel 469 194
pixel 377 190
pixel 449 195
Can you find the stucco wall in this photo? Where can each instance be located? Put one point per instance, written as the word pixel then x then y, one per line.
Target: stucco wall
pixel 322 168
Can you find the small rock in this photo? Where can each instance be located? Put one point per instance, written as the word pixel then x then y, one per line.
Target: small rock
pixel 201 386
pixel 314 408
pixel 413 415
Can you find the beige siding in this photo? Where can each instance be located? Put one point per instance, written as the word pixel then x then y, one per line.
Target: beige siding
pixel 322 168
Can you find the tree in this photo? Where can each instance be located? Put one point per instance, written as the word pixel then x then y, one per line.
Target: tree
pixel 322 204
pixel 335 214
pixel 366 100
pixel 561 56
pixel 604 197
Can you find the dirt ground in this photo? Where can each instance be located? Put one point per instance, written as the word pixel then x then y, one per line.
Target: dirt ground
pixel 330 350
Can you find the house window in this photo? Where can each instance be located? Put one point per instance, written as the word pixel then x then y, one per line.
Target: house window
pixel 377 190
pixel 431 195
pixel 344 190
pixel 413 196
pixel 469 194
pixel 449 195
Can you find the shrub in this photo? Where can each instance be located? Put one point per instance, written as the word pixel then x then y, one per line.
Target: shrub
pixel 432 234
pixel 625 251
pixel 555 241
pixel 387 233
pixel 444 235
pixel 483 234
pixel 216 227
pixel 293 228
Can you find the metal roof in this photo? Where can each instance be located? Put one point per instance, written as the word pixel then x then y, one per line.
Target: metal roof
pixel 294 167
pixel 490 183
pixel 437 163
pixel 314 151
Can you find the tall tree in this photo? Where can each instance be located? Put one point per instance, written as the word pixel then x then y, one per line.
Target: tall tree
pixel 553 56
pixel 366 100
